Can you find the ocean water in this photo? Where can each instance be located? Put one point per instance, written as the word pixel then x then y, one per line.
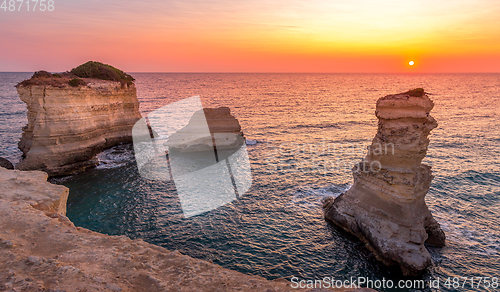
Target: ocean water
pixel 307 131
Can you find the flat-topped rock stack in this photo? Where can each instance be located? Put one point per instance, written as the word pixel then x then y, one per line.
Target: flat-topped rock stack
pixel 385 206
pixel 72 118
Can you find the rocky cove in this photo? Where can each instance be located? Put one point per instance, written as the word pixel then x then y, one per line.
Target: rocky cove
pixel 36 260
pixel 69 122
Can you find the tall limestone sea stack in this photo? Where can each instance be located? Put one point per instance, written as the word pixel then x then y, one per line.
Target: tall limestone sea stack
pixel 385 206
pixel 74 115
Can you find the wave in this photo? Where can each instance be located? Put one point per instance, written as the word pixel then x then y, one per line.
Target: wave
pixel 251 142
pixel 13 113
pixel 312 197
pixel 477 238
pixel 325 125
pixel 115 157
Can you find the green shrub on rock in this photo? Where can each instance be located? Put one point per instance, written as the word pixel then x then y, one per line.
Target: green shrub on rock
pixel 102 71
pixel 41 74
pixel 417 92
pixel 77 82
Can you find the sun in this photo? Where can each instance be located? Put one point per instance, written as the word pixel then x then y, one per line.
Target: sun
pixel 411 63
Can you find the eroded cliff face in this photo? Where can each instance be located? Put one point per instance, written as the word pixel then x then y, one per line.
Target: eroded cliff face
pixel 385 206
pixel 67 126
pixel 41 250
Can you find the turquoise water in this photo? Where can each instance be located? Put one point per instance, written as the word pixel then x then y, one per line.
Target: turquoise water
pixel 277 229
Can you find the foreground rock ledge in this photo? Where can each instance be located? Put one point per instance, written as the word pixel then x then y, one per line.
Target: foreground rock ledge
pixel 41 250
pixel 69 125
pixel 385 206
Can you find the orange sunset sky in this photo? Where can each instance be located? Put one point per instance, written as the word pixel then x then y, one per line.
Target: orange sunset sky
pixel 255 36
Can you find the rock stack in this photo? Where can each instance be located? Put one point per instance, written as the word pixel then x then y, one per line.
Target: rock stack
pixel 71 120
pixel 385 206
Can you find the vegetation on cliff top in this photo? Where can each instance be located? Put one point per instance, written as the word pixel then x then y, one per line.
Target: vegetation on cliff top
pixel 77 82
pixel 102 71
pixel 46 78
pixel 91 70
pixel 417 92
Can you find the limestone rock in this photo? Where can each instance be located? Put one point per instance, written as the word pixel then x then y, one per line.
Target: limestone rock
pixel 33 188
pixel 68 125
pixel 223 129
pixel 5 163
pixel 385 206
pixel 41 250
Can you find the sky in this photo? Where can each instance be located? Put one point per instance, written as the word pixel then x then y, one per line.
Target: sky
pixel 338 36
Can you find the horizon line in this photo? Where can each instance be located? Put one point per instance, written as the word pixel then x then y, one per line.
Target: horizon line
pixel 224 72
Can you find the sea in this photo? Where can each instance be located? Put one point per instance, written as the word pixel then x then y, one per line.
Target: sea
pixel 277 229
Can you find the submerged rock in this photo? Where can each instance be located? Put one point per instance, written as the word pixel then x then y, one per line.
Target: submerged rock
pixel 5 163
pixel 385 206
pixel 70 120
